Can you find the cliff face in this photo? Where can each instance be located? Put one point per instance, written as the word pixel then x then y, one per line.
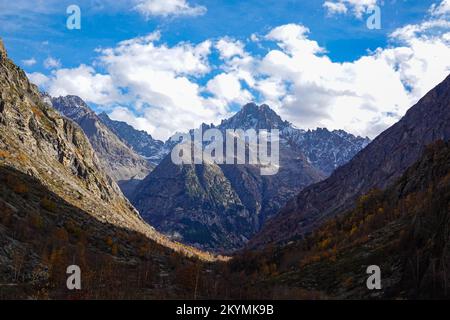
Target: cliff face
pixel 53 183
pixel 36 140
pixel 140 141
pixel 118 160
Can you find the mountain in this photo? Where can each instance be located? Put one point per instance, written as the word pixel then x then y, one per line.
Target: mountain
pixel 252 116
pixel 118 160
pixel 404 230
pixel 219 207
pixel 58 207
pixel 139 141
pixel 327 150
pixel 377 166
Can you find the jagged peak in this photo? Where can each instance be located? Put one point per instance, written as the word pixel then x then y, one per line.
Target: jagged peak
pixel 72 98
pixel 255 116
pixel 72 105
pixel 106 118
pixel 254 108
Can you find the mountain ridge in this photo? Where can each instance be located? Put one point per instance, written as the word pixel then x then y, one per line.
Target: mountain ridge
pixel 119 161
pixel 140 141
pixel 377 165
pixel 181 201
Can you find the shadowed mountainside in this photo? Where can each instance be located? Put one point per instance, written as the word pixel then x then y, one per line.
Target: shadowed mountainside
pixel 377 166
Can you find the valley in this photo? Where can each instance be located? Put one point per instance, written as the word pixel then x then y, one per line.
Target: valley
pixel 80 188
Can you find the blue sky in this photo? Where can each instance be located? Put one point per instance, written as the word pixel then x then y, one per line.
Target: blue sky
pixel 43 35
pixel 37 38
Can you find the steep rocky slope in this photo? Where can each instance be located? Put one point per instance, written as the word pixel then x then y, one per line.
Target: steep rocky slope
pixel 140 141
pixel 57 204
pixel 327 150
pixel 405 230
pixel 377 166
pixel 118 160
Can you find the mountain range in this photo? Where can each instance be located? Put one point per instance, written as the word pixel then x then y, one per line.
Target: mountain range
pixel 213 207
pixel 218 207
pixel 140 141
pixel 117 158
pixel 337 205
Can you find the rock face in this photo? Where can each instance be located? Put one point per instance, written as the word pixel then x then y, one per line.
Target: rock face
pixel 140 141
pixel 118 160
pixel 377 166
pixel 327 150
pixel 219 207
pixel 51 179
pixel 36 140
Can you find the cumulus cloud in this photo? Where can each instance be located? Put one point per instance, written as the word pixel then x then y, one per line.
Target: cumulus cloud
pixel 440 9
pixel 229 48
pixel 356 7
pixel 82 81
pixel 227 87
pixel 164 89
pixel 364 96
pixel 335 7
pixel 165 8
pixel 138 122
pixel 39 79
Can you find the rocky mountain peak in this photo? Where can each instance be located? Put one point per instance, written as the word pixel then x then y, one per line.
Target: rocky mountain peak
pixel 72 106
pixel 116 157
pixel 256 117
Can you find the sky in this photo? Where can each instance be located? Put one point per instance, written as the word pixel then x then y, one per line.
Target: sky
pixel 166 66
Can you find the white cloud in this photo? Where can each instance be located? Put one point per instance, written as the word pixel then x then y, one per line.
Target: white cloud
pixel 293 39
pixel 356 7
pixel 335 7
pixel 227 87
pixel 52 63
pixel 84 82
pixel 167 8
pixel 164 89
pixel 29 62
pixel 124 114
pixel 440 9
pixel 39 79
pixel 413 31
pixel 229 48
pixel 254 37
